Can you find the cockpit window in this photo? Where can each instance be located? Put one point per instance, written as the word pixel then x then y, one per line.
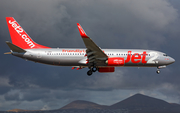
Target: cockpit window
pixel 164 55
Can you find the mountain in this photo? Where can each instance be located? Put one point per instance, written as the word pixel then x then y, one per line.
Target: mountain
pixel 140 101
pixel 145 103
pixel 135 104
pixel 81 104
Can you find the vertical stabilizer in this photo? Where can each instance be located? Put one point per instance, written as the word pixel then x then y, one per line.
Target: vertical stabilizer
pixel 19 37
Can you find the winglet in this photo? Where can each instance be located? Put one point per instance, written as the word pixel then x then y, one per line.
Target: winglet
pixel 82 32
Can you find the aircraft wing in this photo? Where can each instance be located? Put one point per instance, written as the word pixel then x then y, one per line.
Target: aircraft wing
pixel 94 53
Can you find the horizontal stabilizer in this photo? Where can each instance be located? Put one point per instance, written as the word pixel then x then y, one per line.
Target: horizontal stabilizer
pixel 15 48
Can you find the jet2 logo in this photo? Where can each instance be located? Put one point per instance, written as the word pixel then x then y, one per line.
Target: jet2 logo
pixel 136 57
pixel 19 30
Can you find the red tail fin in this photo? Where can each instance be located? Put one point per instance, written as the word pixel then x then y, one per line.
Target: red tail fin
pixel 19 37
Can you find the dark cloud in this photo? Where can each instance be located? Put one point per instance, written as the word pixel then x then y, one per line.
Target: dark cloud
pixel 111 24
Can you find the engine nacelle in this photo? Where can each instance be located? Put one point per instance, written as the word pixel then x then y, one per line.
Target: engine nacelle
pixel 115 61
pixel 106 69
pixel 160 67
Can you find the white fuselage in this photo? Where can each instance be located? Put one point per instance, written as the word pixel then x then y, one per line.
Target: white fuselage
pixel 77 57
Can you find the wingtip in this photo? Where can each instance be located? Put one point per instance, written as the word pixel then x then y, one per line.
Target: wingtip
pixel 81 31
pixel 9 17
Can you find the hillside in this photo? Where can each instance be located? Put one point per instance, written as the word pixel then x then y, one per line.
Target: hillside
pixel 135 104
pixel 81 104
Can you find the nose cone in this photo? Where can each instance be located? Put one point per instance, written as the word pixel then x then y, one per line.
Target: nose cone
pixel 172 60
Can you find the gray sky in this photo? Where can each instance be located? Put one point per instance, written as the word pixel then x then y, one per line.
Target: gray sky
pixel 142 24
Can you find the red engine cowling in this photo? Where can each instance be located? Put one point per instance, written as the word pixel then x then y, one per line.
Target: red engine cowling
pixel 115 61
pixel 106 69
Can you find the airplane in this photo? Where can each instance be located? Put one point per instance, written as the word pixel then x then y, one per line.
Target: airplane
pixel 92 57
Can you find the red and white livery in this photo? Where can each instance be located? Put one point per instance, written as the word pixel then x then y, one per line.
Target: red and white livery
pixel 92 57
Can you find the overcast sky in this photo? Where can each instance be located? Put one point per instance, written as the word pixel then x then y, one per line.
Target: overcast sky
pixel 141 24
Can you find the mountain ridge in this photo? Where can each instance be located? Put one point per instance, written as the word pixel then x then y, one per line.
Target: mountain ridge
pixel 82 104
pixel 139 100
pixel 137 103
